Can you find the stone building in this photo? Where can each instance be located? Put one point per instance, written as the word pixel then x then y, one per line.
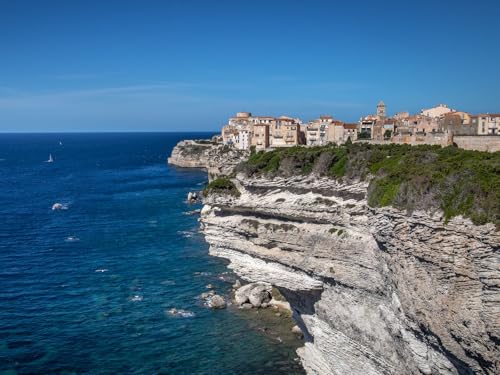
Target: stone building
pixel 260 137
pixel 457 124
pixel 381 110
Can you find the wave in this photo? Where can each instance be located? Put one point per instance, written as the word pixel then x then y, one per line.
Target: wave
pixel 136 298
pixel 186 233
pixel 60 206
pixel 180 313
pixel 72 239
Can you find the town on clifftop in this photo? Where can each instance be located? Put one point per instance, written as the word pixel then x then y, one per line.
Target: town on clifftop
pixel 439 125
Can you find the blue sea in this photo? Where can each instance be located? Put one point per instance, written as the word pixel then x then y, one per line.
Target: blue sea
pixel 89 288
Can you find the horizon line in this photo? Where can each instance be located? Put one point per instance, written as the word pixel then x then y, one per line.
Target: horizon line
pixel 108 132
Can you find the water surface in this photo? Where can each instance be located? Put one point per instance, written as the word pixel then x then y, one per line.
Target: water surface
pixel 88 288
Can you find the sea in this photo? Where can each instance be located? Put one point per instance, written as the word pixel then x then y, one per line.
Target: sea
pixel 108 280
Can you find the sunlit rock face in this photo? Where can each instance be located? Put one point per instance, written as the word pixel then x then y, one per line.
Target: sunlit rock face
pixel 217 159
pixel 375 291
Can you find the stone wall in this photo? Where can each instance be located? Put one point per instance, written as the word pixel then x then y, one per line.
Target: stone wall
pixel 489 143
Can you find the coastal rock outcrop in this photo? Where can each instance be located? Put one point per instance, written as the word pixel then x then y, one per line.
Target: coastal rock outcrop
pixel 374 291
pixel 217 159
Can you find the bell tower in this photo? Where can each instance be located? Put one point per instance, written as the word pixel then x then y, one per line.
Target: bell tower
pixel 381 114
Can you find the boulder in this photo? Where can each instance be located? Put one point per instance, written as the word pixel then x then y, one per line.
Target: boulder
pixel 204 295
pixel 217 302
pixel 260 293
pixel 296 329
pixel 255 293
pixel 241 295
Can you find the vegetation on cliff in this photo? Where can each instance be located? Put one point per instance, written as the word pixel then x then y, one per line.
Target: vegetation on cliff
pixel 459 182
pixel 221 185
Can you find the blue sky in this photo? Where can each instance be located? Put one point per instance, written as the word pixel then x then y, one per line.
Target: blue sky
pixel 188 65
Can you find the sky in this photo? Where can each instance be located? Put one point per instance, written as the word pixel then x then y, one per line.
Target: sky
pixel 189 65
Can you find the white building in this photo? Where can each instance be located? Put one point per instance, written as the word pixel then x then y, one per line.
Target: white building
pixel 244 139
pixel 437 111
pixel 487 124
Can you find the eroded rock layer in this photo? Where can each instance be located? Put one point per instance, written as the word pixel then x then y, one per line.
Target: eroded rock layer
pixel 375 291
pixel 218 159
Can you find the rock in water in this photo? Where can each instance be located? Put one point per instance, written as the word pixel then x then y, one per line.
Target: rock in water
pixel 217 302
pixel 260 294
pixel 255 293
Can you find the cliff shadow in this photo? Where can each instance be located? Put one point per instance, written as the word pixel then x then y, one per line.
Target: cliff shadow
pixel 302 303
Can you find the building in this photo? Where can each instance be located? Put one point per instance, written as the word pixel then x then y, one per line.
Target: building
pixel 401 115
pixel 487 124
pixel 285 135
pixel 437 111
pixel 340 132
pixel 260 137
pixel 366 125
pixel 426 125
pixel 243 139
pixel 381 110
pixel 350 132
pixel 229 134
pixel 312 134
pixel 458 124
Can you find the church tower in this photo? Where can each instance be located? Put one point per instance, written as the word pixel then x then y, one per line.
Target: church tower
pixel 381 110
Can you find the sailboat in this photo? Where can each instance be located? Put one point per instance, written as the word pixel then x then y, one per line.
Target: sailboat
pixel 51 160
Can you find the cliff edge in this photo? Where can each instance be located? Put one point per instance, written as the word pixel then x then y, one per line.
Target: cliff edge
pixel 376 291
pixel 218 159
pixel 378 281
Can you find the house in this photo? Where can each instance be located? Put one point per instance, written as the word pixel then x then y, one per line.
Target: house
pixel 286 135
pixel 243 140
pixel 312 134
pixel 260 137
pixel 458 124
pixel 437 111
pixel 426 125
pixel 366 125
pixel 350 132
pixel 229 134
pixel 487 124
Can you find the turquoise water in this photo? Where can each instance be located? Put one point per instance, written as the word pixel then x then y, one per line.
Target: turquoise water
pixel 88 288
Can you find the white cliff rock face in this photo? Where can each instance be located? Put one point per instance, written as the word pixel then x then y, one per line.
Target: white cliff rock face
pixel 218 159
pixel 375 291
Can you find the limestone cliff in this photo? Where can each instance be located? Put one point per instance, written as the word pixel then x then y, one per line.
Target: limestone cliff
pixel 376 291
pixel 218 159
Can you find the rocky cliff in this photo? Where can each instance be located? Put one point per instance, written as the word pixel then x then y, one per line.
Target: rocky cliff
pixel 375 291
pixel 218 159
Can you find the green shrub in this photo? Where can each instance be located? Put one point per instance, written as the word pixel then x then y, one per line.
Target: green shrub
pixel 222 185
pixel 459 182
